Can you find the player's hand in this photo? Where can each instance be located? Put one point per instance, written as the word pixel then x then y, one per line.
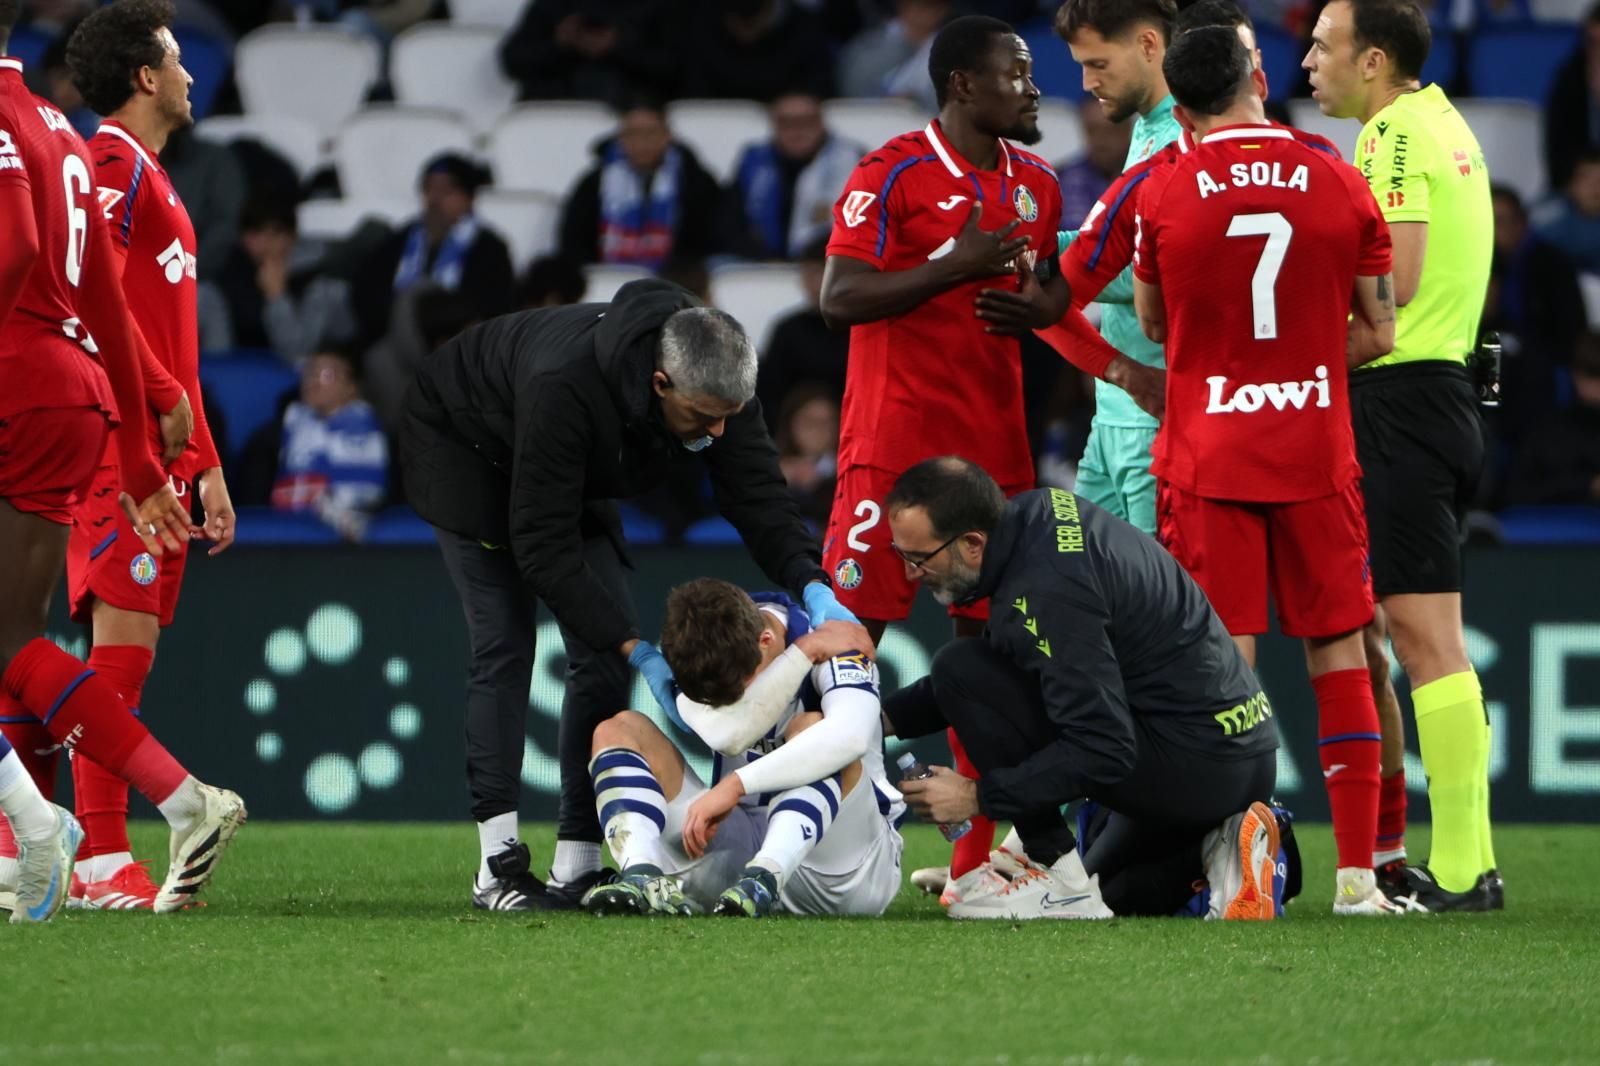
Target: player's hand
pixel 177 426
pixel 161 521
pixel 1015 313
pixel 946 798
pixel 836 638
pixel 1147 385
pixel 706 814
pixel 221 522
pixel 981 253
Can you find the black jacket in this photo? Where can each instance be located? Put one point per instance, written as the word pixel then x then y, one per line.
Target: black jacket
pixel 522 430
pixel 1115 631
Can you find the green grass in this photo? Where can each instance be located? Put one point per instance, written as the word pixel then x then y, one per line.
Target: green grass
pixel 354 943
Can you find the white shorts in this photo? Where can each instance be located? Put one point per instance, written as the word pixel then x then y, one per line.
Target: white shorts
pixel 855 870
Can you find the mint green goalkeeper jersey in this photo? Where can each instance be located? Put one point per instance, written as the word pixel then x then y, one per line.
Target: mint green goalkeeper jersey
pixel 1119 323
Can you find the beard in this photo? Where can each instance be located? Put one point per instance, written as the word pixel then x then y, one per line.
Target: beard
pixel 1025 131
pixel 955 586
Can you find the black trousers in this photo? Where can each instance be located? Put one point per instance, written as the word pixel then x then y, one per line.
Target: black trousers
pixel 1148 855
pixel 501 626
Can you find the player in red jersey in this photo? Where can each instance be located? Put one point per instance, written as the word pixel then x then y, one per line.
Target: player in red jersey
pixel 943 252
pixel 59 396
pixel 1252 250
pixel 126 64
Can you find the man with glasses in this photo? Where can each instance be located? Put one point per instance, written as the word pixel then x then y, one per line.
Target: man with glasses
pixel 516 438
pixel 1104 674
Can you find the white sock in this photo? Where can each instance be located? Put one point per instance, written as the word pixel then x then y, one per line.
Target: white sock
pixel 1381 857
pixel 494 836
pixel 8 874
pixel 1013 843
pixel 185 806
pixel 31 815
pixel 573 859
pixel 633 811
pixel 101 867
pixel 796 824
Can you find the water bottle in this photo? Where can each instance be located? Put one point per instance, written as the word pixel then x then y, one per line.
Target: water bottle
pixel 914 770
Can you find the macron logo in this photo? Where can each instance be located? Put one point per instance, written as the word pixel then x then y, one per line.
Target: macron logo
pixel 950 204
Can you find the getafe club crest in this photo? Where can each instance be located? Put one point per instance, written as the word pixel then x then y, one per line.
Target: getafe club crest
pixel 847 575
pixel 1026 203
pixel 143 568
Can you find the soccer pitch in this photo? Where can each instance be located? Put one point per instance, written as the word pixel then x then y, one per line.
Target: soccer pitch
pixel 355 943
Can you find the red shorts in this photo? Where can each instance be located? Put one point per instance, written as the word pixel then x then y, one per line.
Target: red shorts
pixel 48 458
pixel 868 578
pixel 1312 553
pixel 107 561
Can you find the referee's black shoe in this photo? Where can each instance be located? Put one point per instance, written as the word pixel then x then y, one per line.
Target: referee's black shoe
pixel 568 895
pixel 1496 887
pixel 511 886
pixel 1422 893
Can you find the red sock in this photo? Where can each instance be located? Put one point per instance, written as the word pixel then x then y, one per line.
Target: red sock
pixel 972 850
pixel 81 710
pixel 1392 812
pixel 1349 748
pixel 100 796
pixel 39 754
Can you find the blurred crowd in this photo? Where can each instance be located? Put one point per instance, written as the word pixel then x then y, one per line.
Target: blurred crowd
pixel 356 315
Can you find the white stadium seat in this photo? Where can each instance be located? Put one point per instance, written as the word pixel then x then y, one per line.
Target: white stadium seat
pixel 496 14
pixel 718 130
pixel 527 221
pixel 1511 133
pixel 380 151
pixel 294 139
pixel 333 219
pixel 873 122
pixel 606 278
pixel 544 147
pixel 757 294
pixel 437 64
pixel 320 74
pixel 1062 129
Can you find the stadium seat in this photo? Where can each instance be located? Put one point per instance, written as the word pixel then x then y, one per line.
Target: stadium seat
pixel 294 139
pixel 873 122
pixel 1280 60
pixel 544 147
pixel 334 219
pixel 1519 62
pixel 713 530
pixel 1054 71
pixel 718 130
pixel 1550 525
pixel 496 14
pixel 206 60
pixel 1062 130
pixel 321 74
pixel 606 278
pixel 527 221
pixel 436 64
pixel 1305 115
pixel 399 525
pixel 29 45
pixel 247 387
pixel 757 294
pixel 267 527
pixel 1443 60
pixel 380 151
pixel 1511 135
pixel 640 528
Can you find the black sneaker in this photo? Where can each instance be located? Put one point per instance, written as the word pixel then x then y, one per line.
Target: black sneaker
pixel 1495 886
pixel 568 895
pixel 1422 893
pixel 1392 878
pixel 514 888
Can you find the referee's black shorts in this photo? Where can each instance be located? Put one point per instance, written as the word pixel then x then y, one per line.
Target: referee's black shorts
pixel 1420 438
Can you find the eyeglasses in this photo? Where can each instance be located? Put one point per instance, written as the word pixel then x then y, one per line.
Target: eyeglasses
pixel 920 560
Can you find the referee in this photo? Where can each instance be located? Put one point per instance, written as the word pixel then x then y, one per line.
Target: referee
pixel 1419 435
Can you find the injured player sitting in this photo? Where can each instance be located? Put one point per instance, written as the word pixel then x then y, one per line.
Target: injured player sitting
pixel 799 816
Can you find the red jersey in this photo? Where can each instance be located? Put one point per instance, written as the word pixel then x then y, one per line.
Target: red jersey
pixel 151 228
pixel 931 381
pixel 1256 241
pixel 47 358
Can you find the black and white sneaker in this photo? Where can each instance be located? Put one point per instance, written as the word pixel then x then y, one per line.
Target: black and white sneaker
pixel 1495 886
pixel 1422 893
pixel 512 887
pixel 568 895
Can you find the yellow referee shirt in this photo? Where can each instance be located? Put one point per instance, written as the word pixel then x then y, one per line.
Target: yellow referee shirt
pixel 1424 165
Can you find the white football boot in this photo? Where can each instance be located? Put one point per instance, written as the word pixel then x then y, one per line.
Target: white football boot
pixel 195 851
pixel 1356 891
pixel 44 871
pixel 982 880
pixel 931 879
pixel 1064 890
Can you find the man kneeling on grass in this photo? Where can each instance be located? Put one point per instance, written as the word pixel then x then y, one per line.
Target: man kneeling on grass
pixel 799 816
